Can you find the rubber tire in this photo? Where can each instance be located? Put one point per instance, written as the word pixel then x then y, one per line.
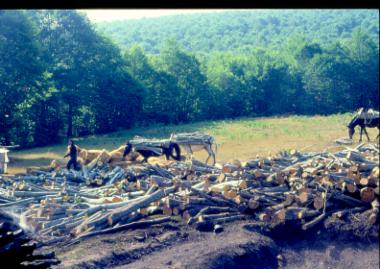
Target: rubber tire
pixel 174 147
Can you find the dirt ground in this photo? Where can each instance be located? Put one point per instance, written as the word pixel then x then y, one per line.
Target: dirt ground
pixel 174 246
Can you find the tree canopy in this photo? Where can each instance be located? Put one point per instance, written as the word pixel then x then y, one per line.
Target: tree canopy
pixel 62 76
pixel 240 30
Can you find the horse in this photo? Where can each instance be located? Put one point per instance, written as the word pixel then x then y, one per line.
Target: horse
pixel 166 149
pixel 196 142
pixel 364 119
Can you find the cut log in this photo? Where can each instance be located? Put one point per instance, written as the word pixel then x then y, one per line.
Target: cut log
pixel 186 215
pixel 117 213
pixel 225 186
pixel 18 203
pixel 220 220
pixel 313 222
pixel 216 200
pixel 293 213
pixel 93 163
pixel 231 194
pixel 264 217
pixel 279 206
pixel 39 264
pixel 133 225
pixel 373 218
pixel 280 178
pixel 221 178
pixel 318 202
pixel 347 199
pixel 351 187
pixel 243 184
pixel 229 168
pixel 213 217
pixel 356 157
pixel 303 196
pixel 105 156
pixel 307 213
pixel 160 181
pixel 364 181
pixel 375 172
pixel 239 199
pixel 364 167
pixel 176 211
pixel 341 213
pixel 258 174
pixel 253 204
pixel 367 194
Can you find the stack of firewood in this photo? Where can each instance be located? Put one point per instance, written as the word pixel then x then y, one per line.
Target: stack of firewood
pixel 302 188
pixel 16 248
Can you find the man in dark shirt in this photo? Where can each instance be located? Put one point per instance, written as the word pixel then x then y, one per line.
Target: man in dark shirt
pixel 127 150
pixel 72 152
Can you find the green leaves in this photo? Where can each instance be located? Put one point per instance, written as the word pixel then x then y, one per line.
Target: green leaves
pixel 59 77
pixel 237 30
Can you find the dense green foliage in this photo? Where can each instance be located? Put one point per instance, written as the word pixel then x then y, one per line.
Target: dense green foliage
pixel 60 77
pixel 239 30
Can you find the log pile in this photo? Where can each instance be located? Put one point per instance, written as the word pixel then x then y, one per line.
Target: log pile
pixel 17 249
pixel 139 141
pixel 195 138
pixel 304 188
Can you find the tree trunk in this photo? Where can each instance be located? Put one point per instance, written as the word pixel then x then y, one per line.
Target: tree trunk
pixel 70 121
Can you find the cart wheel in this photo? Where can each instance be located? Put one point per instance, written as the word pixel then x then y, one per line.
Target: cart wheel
pixel 174 147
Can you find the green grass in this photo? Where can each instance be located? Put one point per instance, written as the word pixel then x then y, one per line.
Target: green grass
pixel 237 139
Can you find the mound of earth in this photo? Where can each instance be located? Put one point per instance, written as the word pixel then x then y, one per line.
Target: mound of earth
pixel 241 244
pixel 166 246
pixel 234 248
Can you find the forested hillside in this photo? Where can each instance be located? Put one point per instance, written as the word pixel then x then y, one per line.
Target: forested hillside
pixel 232 30
pixel 60 77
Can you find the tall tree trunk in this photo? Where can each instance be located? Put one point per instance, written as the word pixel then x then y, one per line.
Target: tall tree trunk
pixel 5 128
pixel 70 121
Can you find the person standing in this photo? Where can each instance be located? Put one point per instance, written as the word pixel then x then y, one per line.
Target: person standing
pixel 72 152
pixel 127 150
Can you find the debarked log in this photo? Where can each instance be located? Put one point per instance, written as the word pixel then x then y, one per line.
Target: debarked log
pixel 133 225
pixel 116 214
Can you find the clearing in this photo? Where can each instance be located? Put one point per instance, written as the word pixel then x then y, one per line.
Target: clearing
pixel 237 139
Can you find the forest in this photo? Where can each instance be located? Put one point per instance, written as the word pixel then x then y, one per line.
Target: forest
pixel 63 76
pixel 241 30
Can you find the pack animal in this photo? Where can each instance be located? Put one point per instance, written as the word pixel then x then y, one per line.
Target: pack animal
pixel 201 142
pixel 369 118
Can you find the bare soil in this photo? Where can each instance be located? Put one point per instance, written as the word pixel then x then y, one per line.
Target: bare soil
pixel 242 244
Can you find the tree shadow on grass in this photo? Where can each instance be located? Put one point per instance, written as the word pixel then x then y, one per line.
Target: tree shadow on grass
pixel 19 165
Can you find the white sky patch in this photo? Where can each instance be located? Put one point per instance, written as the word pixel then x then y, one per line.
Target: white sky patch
pixel 100 15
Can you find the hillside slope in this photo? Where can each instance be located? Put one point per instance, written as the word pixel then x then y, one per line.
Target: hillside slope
pixel 233 30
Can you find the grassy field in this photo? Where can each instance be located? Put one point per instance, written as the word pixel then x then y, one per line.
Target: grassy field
pixel 237 139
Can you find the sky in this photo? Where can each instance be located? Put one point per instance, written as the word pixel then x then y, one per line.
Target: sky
pixel 99 15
